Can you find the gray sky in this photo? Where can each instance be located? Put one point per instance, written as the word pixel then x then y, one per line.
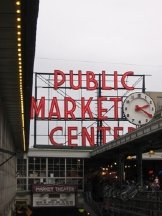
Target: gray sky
pixel 101 35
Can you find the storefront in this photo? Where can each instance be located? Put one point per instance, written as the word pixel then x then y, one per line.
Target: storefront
pixel 54 179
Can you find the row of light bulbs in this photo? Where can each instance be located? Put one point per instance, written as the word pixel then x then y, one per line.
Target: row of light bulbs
pixel 20 69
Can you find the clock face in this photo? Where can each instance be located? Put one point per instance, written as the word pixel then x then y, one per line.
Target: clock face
pixel 139 108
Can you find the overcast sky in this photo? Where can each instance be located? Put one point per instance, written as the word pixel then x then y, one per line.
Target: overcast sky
pixel 101 35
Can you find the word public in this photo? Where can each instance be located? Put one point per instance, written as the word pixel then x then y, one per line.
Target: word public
pixel 69 109
pixel 91 82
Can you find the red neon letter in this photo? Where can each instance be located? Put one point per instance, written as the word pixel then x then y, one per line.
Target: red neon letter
pixel 35 110
pixel 86 135
pixel 85 108
pixel 116 101
pixel 104 87
pixel 51 135
pixel 72 137
pixel 116 130
pixel 123 82
pixel 72 80
pixel 54 103
pixel 115 80
pixel 90 78
pixel 68 111
pixel 130 129
pixel 103 132
pixel 101 109
pixel 58 83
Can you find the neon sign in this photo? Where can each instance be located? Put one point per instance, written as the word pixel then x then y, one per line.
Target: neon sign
pixel 83 104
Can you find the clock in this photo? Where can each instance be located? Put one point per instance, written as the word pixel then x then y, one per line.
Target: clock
pixel 138 108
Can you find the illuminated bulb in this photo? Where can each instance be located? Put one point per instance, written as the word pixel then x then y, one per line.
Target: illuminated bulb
pixel 19 39
pixel 18 19
pixel 151 152
pixel 18 26
pixel 18 11
pixel 19 33
pixel 19 58
pixel 18 3
pixel 19 54
pixel 22 123
pixel 20 63
pixel 19 50
pixel 19 44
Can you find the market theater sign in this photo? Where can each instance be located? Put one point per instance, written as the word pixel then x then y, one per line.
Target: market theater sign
pixel 39 109
pixel 53 195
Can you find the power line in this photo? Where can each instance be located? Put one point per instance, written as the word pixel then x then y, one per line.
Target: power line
pixel 100 62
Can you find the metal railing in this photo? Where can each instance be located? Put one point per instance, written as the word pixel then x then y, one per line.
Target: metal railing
pixel 144 203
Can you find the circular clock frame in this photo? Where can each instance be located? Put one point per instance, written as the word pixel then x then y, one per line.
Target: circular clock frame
pixel 139 108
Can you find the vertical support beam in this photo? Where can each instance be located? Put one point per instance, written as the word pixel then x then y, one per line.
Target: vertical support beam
pixel 47 174
pixel 27 172
pixel 65 161
pixel 143 84
pixel 35 124
pixel 139 167
pixel 120 164
pixel 99 122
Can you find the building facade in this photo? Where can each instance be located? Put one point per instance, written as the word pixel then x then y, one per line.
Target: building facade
pixel 57 174
pixel 7 167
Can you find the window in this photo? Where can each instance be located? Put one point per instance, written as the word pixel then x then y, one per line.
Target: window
pixel 56 167
pixel 37 167
pixel 21 168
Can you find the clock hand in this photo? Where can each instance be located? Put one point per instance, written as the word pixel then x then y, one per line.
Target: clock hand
pixel 145 106
pixel 148 114
pixel 138 108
